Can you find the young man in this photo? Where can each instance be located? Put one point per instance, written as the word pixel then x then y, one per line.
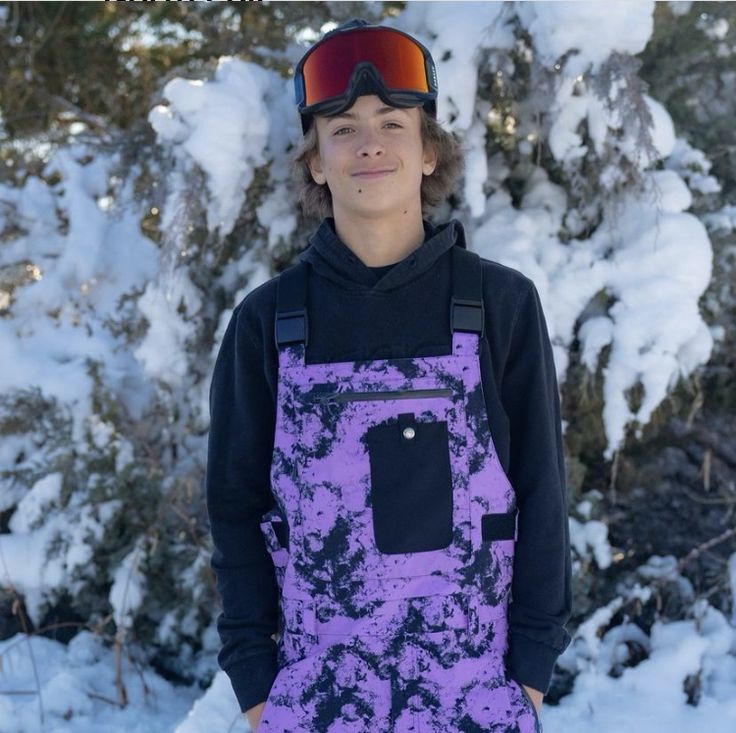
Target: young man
pixel 385 477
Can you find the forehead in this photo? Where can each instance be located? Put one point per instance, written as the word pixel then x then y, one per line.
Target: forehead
pixel 353 114
pixel 370 105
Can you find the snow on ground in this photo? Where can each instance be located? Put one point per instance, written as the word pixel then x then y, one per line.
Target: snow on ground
pixel 611 692
pixel 651 696
pixel 78 691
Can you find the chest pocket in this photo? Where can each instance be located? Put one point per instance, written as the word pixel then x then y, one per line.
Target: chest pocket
pixel 384 481
pixel 411 485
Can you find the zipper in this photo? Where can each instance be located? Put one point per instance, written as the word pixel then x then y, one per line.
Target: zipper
pixel 393 394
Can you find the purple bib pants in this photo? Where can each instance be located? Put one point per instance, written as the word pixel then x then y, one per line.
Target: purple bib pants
pixel 392 537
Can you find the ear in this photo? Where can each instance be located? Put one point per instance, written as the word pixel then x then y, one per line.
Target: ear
pixel 315 168
pixel 429 160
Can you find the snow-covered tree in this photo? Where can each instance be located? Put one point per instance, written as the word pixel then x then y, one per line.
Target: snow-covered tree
pixel 127 235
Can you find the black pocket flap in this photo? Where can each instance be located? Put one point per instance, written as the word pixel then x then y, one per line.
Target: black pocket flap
pixel 498 526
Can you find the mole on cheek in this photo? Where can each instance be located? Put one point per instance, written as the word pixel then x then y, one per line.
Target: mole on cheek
pixel 360 190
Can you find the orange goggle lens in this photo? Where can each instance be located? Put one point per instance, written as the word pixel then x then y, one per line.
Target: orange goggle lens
pixel 396 57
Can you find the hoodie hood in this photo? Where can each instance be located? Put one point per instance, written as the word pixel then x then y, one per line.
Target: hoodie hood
pixel 333 259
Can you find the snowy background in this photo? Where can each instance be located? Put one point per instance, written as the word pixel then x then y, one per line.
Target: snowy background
pixel 108 342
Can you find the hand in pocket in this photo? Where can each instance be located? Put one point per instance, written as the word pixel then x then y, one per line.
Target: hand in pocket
pixel 253 715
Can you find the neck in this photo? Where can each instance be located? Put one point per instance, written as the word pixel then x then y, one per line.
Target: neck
pixel 380 241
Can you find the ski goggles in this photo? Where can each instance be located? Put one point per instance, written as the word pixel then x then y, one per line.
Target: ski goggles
pixel 401 68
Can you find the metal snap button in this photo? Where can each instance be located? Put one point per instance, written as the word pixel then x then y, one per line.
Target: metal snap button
pixel 409 433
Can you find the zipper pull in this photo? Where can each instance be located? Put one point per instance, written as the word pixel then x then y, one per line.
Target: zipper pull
pixel 320 393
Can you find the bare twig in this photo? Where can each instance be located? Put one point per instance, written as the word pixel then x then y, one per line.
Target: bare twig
pixel 707 459
pixel 122 629
pixel 97 696
pixel 700 549
pixel 18 610
pixel 614 476
pixel 94 121
pixel 41 630
pixel 137 667
pixel 18 692
pixel 119 684
pixel 728 500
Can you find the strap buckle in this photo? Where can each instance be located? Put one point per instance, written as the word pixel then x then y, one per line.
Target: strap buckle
pixel 466 315
pixel 291 326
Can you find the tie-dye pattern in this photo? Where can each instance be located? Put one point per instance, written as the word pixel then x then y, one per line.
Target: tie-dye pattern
pixel 388 641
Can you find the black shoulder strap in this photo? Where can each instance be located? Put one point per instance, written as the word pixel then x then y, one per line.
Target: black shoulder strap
pixel 291 305
pixel 466 305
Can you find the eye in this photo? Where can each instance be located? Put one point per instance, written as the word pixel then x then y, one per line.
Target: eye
pixel 396 124
pixel 338 130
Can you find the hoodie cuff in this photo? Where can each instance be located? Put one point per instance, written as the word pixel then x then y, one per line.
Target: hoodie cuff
pixel 252 679
pixel 530 662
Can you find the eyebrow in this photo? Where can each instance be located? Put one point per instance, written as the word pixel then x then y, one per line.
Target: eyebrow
pixel 353 116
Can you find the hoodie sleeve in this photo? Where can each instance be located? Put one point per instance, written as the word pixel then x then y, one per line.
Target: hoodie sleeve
pixel 541 600
pixel 240 447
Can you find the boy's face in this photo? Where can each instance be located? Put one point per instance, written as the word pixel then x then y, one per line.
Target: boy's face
pixel 371 157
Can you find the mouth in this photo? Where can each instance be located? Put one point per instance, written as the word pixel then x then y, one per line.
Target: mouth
pixel 379 173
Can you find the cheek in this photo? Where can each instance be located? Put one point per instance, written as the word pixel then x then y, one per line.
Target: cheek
pixel 417 156
pixel 330 161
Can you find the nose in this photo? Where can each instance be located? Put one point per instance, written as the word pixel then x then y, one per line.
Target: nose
pixel 369 145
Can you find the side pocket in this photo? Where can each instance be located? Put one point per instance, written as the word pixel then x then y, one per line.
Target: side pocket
pixel 276 535
pixel 498 534
pixel 411 485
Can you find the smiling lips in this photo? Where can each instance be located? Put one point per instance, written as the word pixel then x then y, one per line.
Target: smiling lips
pixel 369 174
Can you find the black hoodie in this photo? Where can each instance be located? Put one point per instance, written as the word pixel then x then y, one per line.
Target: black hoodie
pixel 358 312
